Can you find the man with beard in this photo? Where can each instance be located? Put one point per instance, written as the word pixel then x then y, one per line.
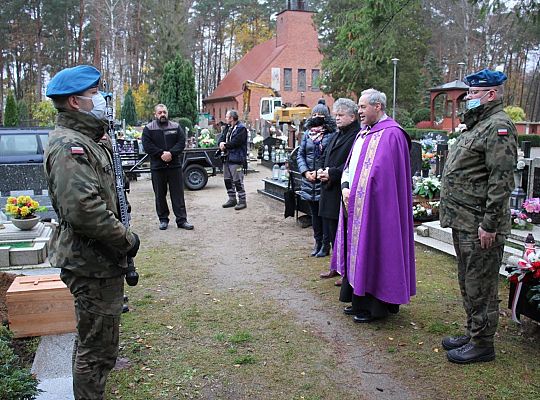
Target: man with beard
pixel 164 141
pixel 90 244
pixel 337 151
pixel 374 251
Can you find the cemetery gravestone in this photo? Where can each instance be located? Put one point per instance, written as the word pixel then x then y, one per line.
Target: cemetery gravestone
pixel 416 157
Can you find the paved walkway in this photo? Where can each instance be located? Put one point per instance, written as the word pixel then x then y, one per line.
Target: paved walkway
pixel 52 367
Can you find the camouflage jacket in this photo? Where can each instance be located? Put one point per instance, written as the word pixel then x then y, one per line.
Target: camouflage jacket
pixel 90 240
pixel 479 173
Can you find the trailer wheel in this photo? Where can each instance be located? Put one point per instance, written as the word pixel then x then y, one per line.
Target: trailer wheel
pixel 195 177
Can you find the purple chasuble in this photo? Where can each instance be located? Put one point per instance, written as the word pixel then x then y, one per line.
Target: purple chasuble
pixel 380 244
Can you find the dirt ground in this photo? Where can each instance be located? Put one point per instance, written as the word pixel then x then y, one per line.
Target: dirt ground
pixel 5 283
pixel 238 244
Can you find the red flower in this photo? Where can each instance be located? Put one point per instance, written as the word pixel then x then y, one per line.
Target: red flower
pixel 537 274
pixel 513 279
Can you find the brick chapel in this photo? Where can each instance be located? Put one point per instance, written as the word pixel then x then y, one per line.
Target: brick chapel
pixel 290 62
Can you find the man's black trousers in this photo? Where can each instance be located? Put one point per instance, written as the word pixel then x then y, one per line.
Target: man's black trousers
pixel 173 178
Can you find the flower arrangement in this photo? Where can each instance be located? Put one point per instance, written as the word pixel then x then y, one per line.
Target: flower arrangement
pixel 520 220
pixel 23 207
pixel 206 140
pixel 426 210
pixel 532 205
pixel 257 141
pixel 527 271
pixel 427 160
pixel 427 187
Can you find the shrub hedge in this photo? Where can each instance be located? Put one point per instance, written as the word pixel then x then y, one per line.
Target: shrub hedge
pixel 534 139
pixel 16 382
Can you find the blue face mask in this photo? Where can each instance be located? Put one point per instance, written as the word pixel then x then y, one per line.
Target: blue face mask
pixel 473 103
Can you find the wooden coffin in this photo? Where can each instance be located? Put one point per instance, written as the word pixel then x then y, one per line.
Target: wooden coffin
pixel 40 305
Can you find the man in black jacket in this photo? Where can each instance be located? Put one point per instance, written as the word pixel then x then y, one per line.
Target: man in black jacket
pixel 233 146
pixel 164 141
pixel 336 154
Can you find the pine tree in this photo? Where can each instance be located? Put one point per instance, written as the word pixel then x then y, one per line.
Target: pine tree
pixel 24 116
pixel 128 109
pixel 177 89
pixel 11 113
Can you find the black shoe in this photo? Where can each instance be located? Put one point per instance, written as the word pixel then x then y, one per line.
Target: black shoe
pixel 230 203
pixel 163 225
pixel 316 249
pixel 324 251
pixel 125 308
pixel 455 342
pixel 349 311
pixel 363 318
pixel 470 353
pixel 240 206
pixel 185 225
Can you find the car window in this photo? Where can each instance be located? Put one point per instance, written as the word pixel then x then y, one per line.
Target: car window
pixel 18 145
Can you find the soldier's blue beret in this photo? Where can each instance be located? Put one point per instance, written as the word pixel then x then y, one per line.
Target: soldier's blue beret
pixel 73 80
pixel 485 78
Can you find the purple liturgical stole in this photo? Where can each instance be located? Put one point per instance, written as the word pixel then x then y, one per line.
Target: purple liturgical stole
pixel 379 257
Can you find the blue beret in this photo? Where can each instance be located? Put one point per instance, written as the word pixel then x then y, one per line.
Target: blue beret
pixel 73 80
pixel 485 78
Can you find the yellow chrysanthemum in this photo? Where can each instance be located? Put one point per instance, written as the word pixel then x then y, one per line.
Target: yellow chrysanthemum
pixel 12 200
pixel 21 199
pixel 35 204
pixel 24 211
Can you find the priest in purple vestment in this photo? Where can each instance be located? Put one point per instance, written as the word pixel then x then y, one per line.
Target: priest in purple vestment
pixel 374 250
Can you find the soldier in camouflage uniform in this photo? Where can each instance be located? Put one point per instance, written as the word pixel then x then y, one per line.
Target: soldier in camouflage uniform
pixel 476 186
pixel 90 245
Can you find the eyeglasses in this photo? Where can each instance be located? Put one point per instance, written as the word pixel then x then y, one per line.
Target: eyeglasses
pixel 475 92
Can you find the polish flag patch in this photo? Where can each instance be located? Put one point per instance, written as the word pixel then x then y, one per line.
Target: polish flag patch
pixel 77 150
pixel 502 132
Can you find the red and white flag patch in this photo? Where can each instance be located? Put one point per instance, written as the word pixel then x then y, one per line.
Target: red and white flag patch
pixel 77 150
pixel 502 132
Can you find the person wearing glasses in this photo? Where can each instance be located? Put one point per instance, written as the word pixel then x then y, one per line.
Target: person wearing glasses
pixel 476 185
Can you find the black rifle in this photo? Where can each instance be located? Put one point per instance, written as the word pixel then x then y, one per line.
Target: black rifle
pixel 132 277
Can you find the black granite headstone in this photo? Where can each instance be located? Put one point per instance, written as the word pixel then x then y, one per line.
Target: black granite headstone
pixel 22 177
pixel 416 157
pixel 536 183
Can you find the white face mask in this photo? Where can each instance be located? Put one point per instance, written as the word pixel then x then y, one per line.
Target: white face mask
pixel 99 105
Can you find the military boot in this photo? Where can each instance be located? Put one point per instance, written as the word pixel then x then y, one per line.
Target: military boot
pixel 471 353
pixel 230 203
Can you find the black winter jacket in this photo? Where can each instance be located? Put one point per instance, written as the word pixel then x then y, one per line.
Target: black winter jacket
pixel 336 155
pixel 157 138
pixel 235 140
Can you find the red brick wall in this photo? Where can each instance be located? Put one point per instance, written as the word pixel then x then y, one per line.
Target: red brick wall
pixel 295 30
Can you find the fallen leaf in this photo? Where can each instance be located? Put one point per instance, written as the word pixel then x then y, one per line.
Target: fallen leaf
pixel 420 343
pixel 170 327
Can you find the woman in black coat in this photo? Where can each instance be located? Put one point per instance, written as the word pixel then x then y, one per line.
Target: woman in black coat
pixel 336 154
pixel 320 129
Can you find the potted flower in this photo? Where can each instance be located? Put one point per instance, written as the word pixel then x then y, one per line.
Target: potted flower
pixel 520 220
pixel 206 140
pixel 532 208
pixel 428 188
pixel 23 211
pixel 427 160
pixel 427 211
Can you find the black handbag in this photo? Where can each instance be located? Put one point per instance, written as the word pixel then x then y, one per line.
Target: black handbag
pixel 290 198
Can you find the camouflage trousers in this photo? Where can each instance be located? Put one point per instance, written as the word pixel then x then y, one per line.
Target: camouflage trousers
pixel 478 275
pixel 98 306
